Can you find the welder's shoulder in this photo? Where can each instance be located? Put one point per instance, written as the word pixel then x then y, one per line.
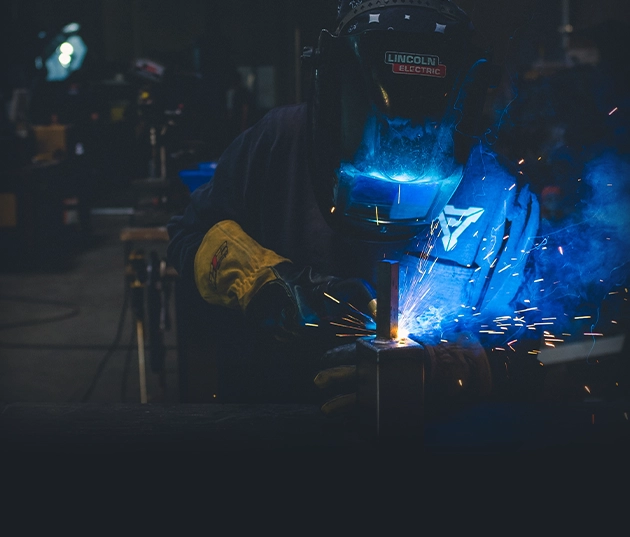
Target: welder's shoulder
pixel 287 122
pixel 496 172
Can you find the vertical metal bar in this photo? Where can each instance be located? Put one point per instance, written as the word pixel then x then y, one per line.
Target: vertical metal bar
pixel 565 28
pixel 387 293
pixel 141 362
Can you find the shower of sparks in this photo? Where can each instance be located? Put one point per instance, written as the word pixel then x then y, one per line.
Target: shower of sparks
pixel 352 327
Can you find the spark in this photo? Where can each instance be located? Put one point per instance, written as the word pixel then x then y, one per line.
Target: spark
pixel 522 161
pixel 583 317
pixel 332 210
pixel 332 298
pixel 352 320
pixel 540 280
pixel 528 309
pixel 560 250
pixel 460 382
pixel 587 389
pixel 613 110
pixel 377 222
pixel 311 324
pixel 350 335
pixel 592 334
pixel 512 186
pixel 351 327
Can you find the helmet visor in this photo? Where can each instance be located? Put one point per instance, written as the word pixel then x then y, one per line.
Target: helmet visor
pixel 398 115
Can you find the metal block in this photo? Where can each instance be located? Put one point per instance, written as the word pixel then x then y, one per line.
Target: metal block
pixel 390 394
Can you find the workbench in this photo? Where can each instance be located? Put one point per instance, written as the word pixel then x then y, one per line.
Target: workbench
pixel 578 428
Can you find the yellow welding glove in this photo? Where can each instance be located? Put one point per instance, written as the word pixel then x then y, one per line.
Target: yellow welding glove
pixel 231 267
pixel 279 299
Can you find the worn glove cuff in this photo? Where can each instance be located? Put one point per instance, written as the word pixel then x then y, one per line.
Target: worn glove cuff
pixel 231 267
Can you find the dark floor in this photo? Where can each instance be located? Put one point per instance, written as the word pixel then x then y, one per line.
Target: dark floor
pixel 63 337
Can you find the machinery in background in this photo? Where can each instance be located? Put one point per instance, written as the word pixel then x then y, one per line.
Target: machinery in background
pixel 150 283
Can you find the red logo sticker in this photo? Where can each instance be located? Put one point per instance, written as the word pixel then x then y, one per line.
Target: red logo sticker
pixel 408 63
pixel 217 259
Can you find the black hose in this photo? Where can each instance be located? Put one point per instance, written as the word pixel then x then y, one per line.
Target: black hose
pixel 74 311
pixel 112 348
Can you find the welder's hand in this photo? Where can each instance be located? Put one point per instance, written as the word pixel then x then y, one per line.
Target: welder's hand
pixel 280 300
pixel 302 303
pixel 337 380
pixel 457 371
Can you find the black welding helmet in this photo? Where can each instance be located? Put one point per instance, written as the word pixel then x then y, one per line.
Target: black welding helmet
pixel 398 91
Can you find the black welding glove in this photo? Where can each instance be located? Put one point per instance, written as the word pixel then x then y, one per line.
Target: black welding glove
pixel 302 303
pixel 456 373
pixel 279 300
pixel 337 380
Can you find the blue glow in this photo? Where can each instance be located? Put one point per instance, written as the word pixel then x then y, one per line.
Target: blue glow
pixel 571 284
pixel 400 173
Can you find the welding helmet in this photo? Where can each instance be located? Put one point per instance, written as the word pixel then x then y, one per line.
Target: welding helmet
pixel 397 94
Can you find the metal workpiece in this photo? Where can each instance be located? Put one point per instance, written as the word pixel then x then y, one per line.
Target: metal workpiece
pixel 390 392
pixel 387 292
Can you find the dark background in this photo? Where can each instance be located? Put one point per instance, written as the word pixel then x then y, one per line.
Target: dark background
pixel 212 37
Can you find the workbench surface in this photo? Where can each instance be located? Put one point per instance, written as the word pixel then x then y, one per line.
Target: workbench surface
pixel 122 428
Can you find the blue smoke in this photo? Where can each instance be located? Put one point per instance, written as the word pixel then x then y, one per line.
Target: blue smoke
pixel 572 282
pixel 582 261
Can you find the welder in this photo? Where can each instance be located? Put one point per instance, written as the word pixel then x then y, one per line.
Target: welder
pixel 277 253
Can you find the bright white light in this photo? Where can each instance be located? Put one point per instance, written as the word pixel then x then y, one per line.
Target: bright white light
pixel 61 63
pixel 66 48
pixel 403 178
pixel 72 27
pixel 64 59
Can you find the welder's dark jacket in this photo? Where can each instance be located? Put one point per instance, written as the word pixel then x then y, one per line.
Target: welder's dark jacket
pixel 262 182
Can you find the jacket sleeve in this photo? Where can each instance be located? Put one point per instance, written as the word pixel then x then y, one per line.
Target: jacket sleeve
pixel 221 199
